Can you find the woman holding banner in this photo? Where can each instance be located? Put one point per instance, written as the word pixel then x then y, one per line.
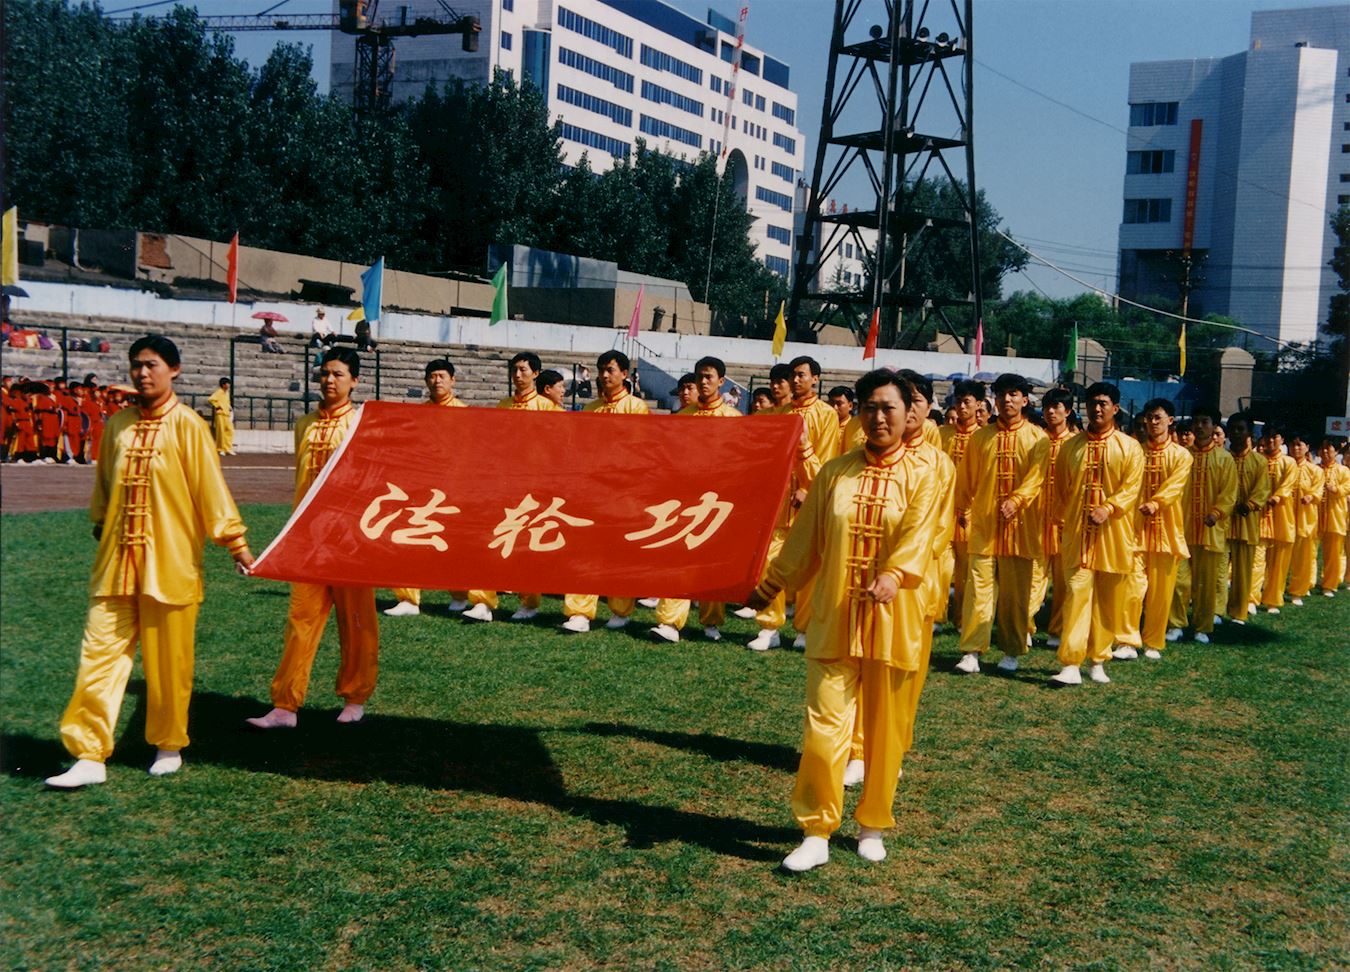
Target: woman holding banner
pixel 864 534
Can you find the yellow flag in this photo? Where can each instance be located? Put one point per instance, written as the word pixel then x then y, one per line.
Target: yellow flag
pixel 9 248
pixel 779 330
pixel 1181 343
pixel 357 315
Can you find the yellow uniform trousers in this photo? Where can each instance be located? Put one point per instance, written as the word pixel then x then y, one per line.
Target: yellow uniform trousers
pixel 531 601
pixel 1258 571
pixel 675 612
pixel 1094 610
pixel 1181 594
pixel 1136 589
pixel 1225 571
pixel 1040 583
pixel 222 428
pixel 413 596
pixel 585 605
pixel 910 693
pixel 960 574
pixel 358 643
pixel 946 570
pixel 833 690
pixel 1278 557
pixel 1002 586
pixel 1204 588
pixel 114 625
pixel 1160 581
pixel 1333 561
pixel 1303 566
pixel 1242 556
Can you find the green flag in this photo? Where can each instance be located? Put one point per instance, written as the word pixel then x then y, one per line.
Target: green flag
pixel 1071 359
pixel 499 312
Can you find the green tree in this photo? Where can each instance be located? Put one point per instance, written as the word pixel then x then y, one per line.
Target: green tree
pixel 1338 311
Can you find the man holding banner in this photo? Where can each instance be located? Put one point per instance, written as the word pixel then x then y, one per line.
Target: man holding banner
pixel 317 437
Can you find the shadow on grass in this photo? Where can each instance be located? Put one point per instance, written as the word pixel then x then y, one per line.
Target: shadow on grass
pixel 511 762
pixel 714 747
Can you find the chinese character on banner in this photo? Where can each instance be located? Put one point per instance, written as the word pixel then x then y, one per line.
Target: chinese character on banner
pixel 421 529
pixel 544 528
pixel 706 517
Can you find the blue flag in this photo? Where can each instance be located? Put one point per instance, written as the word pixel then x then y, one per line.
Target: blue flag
pixel 372 285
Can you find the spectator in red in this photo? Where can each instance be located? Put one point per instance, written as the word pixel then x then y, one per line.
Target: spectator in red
pixel 72 423
pixel 46 422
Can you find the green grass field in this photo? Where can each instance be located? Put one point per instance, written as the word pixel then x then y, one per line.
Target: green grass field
pixel 521 798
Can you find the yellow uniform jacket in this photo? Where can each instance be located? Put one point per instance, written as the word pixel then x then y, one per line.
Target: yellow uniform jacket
pixel 1211 490
pixel 718 410
pixel 1003 464
pixel 1092 471
pixel 317 437
pixel 159 495
pixel 621 404
pixel 531 401
pixel 1166 470
pixel 932 594
pixel 1308 483
pixel 220 402
pixel 1253 489
pixel 1332 511
pixel 954 441
pixel 1277 522
pixel 1052 525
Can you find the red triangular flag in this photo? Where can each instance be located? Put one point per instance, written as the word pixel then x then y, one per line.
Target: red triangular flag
pixel 635 324
pixel 870 348
pixel 232 268
pixel 979 343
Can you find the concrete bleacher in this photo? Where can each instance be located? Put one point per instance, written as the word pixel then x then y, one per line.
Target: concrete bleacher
pixel 269 388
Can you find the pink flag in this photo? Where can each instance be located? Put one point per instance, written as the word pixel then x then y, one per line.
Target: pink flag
pixel 979 343
pixel 635 324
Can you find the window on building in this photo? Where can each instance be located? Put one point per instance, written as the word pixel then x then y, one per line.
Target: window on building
pixel 615 147
pixel 778 265
pixel 664 96
pixel 1345 176
pixel 785 113
pixel 621 43
pixel 506 41
pixel 589 102
pixel 789 145
pixel 784 172
pixel 715 83
pixel 779 199
pixel 508 5
pixel 747 98
pixel 848 250
pixel 1148 211
pixel 779 234
pixel 1342 200
pixel 1146 114
pixel 620 79
pixel 759 102
pixel 661 61
pixel 1150 163
pixel 664 129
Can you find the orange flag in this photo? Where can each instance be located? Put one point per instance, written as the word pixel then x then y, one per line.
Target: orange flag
pixel 870 348
pixel 232 268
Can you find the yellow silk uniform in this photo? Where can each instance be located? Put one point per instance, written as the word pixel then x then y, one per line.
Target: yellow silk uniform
pixel 822 443
pixel 1001 463
pixel 1244 529
pixel 1210 491
pixel 1331 523
pixel 411 594
pixel 954 441
pixel 317 437
pixel 1278 530
pixel 1051 567
pixel 865 515
pixel 1161 540
pixel 1096 471
pixel 1307 499
pixel 621 607
pixel 531 401
pixel 675 611
pixel 222 420
pixel 853 437
pixel 158 495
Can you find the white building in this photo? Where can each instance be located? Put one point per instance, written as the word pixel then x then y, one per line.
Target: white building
pixel 618 70
pixel 840 251
pixel 1266 136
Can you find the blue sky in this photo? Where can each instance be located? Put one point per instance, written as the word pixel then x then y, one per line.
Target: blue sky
pixel 1050 109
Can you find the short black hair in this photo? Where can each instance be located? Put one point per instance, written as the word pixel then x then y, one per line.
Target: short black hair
pixel 762 391
pixel 1184 426
pixel 873 380
pixel 440 364
pixel 618 357
pixel 708 361
pixel 780 372
pixel 546 378
pixel 968 387
pixel 688 378
pixel 529 357
pixel 805 359
pixel 224 383
pixel 1244 417
pixel 1163 403
pixel 158 344
pixel 844 390
pixel 1298 436
pixel 347 356
pixel 920 384
pixel 1104 388
pixel 1011 381
pixel 1271 430
pixel 1207 411
pixel 1057 396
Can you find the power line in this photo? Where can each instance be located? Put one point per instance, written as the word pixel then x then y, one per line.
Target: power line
pixel 141 6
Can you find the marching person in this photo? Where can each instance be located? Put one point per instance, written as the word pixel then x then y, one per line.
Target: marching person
pixel 222 418
pixel 1097 479
pixel 1307 500
pixel 612 369
pixel 1332 517
pixel 672 613
pixel 998 484
pixel 317 437
pixel 863 534
pixel 1244 526
pixel 1278 526
pixel 1056 405
pixel 1211 492
pixel 158 496
pixel 954 440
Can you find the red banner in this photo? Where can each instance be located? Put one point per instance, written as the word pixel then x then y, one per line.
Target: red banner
pixel 622 505
pixel 1192 185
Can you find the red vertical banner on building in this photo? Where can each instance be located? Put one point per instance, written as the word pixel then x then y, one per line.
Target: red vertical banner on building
pixel 1192 185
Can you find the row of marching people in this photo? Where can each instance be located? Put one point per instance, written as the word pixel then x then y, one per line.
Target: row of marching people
pixel 54 421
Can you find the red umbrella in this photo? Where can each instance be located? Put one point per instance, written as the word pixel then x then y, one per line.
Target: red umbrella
pixel 270 316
